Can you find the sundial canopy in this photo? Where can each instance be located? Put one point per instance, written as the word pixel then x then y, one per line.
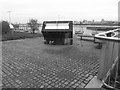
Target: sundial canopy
pixel 56 26
pixel 58 32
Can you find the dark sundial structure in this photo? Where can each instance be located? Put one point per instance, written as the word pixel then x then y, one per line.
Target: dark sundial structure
pixel 58 32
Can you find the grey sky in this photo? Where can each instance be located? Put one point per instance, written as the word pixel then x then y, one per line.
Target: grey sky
pixel 23 10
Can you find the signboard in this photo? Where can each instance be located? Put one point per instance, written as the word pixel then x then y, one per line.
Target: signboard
pixel 57 26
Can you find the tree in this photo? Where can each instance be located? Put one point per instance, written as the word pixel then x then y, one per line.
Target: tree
pixel 16 26
pixel 33 25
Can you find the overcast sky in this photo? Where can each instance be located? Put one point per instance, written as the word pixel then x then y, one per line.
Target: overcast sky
pixel 23 10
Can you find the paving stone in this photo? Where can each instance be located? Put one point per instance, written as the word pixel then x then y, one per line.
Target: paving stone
pixel 74 86
pixel 85 81
pixel 36 68
pixel 83 84
pixel 18 81
pixel 66 83
pixel 75 80
pixel 72 83
pixel 49 86
pixel 80 86
pixel 41 86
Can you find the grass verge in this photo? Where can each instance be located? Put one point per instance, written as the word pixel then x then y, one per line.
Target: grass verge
pixel 18 35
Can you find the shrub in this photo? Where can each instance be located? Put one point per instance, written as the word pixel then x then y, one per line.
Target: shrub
pixel 5 27
pixel 16 26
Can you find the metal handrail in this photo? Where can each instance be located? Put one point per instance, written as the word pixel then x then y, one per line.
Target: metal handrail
pixel 107 79
pixel 112 36
pixel 104 35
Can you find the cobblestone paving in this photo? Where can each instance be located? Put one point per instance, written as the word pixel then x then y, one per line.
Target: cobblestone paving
pixel 31 64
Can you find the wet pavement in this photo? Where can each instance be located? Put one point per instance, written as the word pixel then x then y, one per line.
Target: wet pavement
pixel 29 63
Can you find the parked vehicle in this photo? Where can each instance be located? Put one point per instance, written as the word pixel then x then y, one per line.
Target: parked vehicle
pixel 79 32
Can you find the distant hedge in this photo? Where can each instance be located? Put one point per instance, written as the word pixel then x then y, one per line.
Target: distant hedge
pixel 4 27
pixel 0 27
pixel 118 23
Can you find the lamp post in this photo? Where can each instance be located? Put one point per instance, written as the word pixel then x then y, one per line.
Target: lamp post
pixel 9 12
pixel 11 32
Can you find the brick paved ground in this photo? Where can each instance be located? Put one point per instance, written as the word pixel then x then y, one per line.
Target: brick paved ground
pixel 30 63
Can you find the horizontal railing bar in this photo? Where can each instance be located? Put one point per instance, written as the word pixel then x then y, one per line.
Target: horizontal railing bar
pixel 112 38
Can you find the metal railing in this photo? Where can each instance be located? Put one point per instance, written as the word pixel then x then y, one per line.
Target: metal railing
pixel 112 35
pixel 109 71
pixel 112 79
